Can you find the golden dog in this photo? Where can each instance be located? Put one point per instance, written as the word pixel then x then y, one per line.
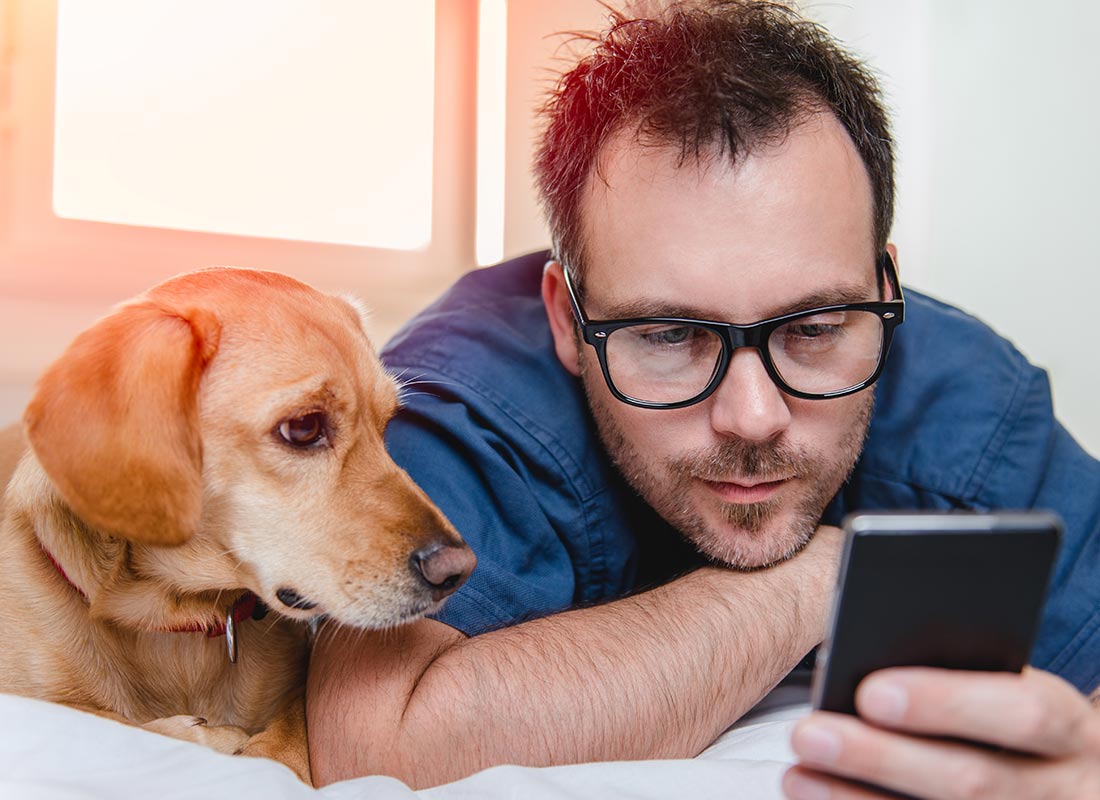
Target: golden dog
pixel 210 448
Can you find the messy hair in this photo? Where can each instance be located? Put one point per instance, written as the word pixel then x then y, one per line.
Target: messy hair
pixel 706 77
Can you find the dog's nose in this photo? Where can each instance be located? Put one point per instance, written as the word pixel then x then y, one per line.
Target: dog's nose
pixel 443 567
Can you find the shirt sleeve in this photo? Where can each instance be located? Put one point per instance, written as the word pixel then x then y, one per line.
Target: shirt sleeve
pixel 481 483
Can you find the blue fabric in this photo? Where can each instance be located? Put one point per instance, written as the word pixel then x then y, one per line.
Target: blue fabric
pixel 499 435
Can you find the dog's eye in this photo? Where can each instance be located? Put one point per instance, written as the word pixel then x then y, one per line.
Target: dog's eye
pixel 308 430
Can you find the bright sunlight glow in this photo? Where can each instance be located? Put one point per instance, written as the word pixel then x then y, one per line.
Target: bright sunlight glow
pixel 287 120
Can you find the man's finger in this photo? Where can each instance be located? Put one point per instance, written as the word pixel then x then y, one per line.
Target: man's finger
pixel 1035 712
pixel 800 783
pixel 844 746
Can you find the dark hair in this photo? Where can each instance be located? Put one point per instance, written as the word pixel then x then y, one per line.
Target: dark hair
pixel 725 74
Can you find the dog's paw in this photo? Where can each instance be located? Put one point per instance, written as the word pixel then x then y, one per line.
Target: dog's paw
pixel 224 738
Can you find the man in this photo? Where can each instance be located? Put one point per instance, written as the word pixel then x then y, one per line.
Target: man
pixel 644 494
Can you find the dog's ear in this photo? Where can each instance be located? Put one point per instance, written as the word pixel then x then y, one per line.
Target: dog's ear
pixel 114 422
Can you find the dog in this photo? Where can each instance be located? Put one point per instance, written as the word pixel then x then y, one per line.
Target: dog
pixel 208 450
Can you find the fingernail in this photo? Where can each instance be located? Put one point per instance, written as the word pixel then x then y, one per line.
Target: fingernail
pixel 883 701
pixel 800 787
pixel 816 743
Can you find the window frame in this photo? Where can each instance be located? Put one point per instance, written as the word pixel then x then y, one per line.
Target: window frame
pixel 43 254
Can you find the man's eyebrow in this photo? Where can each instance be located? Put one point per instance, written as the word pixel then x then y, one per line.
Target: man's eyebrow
pixel 833 296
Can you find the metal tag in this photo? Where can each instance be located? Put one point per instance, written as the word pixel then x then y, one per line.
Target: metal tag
pixel 231 637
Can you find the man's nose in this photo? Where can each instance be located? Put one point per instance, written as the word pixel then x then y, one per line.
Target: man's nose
pixel 747 403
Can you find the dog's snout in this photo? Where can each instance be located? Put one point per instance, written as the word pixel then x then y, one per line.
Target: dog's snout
pixel 443 567
pixel 291 599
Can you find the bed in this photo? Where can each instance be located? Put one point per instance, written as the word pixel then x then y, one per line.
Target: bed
pixel 51 752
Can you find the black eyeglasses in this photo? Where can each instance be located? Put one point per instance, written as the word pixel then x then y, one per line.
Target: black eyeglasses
pixel 672 362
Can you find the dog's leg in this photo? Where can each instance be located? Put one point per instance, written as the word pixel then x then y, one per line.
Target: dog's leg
pixel 228 739
pixel 284 738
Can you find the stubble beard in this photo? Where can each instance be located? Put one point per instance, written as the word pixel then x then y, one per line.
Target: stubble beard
pixel 753 535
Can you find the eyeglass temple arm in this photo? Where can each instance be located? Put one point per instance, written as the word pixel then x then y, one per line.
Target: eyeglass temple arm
pixel 578 312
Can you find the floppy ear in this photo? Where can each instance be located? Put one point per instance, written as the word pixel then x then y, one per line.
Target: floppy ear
pixel 114 422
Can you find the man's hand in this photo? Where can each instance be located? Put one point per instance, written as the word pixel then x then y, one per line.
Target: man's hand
pixel 1041 737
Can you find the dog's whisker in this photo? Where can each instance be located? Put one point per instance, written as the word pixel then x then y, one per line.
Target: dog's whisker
pixel 413 381
pixel 401 375
pixel 421 382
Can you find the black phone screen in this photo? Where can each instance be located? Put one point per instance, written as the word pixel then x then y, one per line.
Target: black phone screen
pixel 955 590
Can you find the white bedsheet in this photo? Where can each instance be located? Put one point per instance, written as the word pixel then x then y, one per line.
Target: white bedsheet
pixel 52 752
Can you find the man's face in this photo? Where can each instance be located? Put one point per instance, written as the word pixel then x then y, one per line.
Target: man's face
pixel 746 473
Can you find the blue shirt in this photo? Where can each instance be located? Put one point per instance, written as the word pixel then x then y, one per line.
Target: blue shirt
pixel 499 435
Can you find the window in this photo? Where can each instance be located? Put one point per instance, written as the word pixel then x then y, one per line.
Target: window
pixel 251 118
pixel 320 217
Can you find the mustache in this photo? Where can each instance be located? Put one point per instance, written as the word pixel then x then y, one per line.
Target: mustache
pixel 743 459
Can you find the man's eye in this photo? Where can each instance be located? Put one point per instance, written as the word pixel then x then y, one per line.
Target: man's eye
pixel 667 336
pixel 308 430
pixel 812 331
pixel 827 325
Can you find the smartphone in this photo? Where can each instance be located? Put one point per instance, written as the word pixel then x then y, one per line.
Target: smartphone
pixel 960 590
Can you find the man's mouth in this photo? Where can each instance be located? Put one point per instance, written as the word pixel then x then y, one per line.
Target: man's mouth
pixel 745 490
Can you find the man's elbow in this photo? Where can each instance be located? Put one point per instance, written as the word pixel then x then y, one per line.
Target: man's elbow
pixel 360 684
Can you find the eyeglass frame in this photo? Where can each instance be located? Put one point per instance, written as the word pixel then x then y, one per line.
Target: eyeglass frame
pixel 733 336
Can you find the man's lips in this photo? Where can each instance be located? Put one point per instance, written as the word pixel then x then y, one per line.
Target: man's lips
pixel 749 490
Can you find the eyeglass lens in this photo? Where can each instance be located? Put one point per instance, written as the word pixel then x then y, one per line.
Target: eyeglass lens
pixel 819 354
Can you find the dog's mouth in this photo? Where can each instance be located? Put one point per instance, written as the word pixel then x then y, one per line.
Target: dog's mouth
pixel 368 614
pixel 365 614
pixel 298 615
pixel 293 600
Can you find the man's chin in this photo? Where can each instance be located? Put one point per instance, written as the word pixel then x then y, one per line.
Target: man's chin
pixel 753 548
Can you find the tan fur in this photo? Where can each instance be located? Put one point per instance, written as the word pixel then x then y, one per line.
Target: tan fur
pixel 157 480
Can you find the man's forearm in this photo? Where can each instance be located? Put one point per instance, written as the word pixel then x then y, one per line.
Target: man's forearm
pixel 656 675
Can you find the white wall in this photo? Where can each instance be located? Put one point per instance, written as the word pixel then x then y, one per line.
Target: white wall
pixel 997 124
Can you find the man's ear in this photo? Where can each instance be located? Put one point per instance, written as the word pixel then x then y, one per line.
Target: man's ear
pixel 892 249
pixel 114 422
pixel 555 297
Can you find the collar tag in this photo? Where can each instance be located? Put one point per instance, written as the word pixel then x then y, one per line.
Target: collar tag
pixel 231 637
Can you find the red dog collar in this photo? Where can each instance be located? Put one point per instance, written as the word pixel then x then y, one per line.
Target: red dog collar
pixel 244 608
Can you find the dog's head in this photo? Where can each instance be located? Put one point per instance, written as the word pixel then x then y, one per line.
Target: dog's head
pixel 229 423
